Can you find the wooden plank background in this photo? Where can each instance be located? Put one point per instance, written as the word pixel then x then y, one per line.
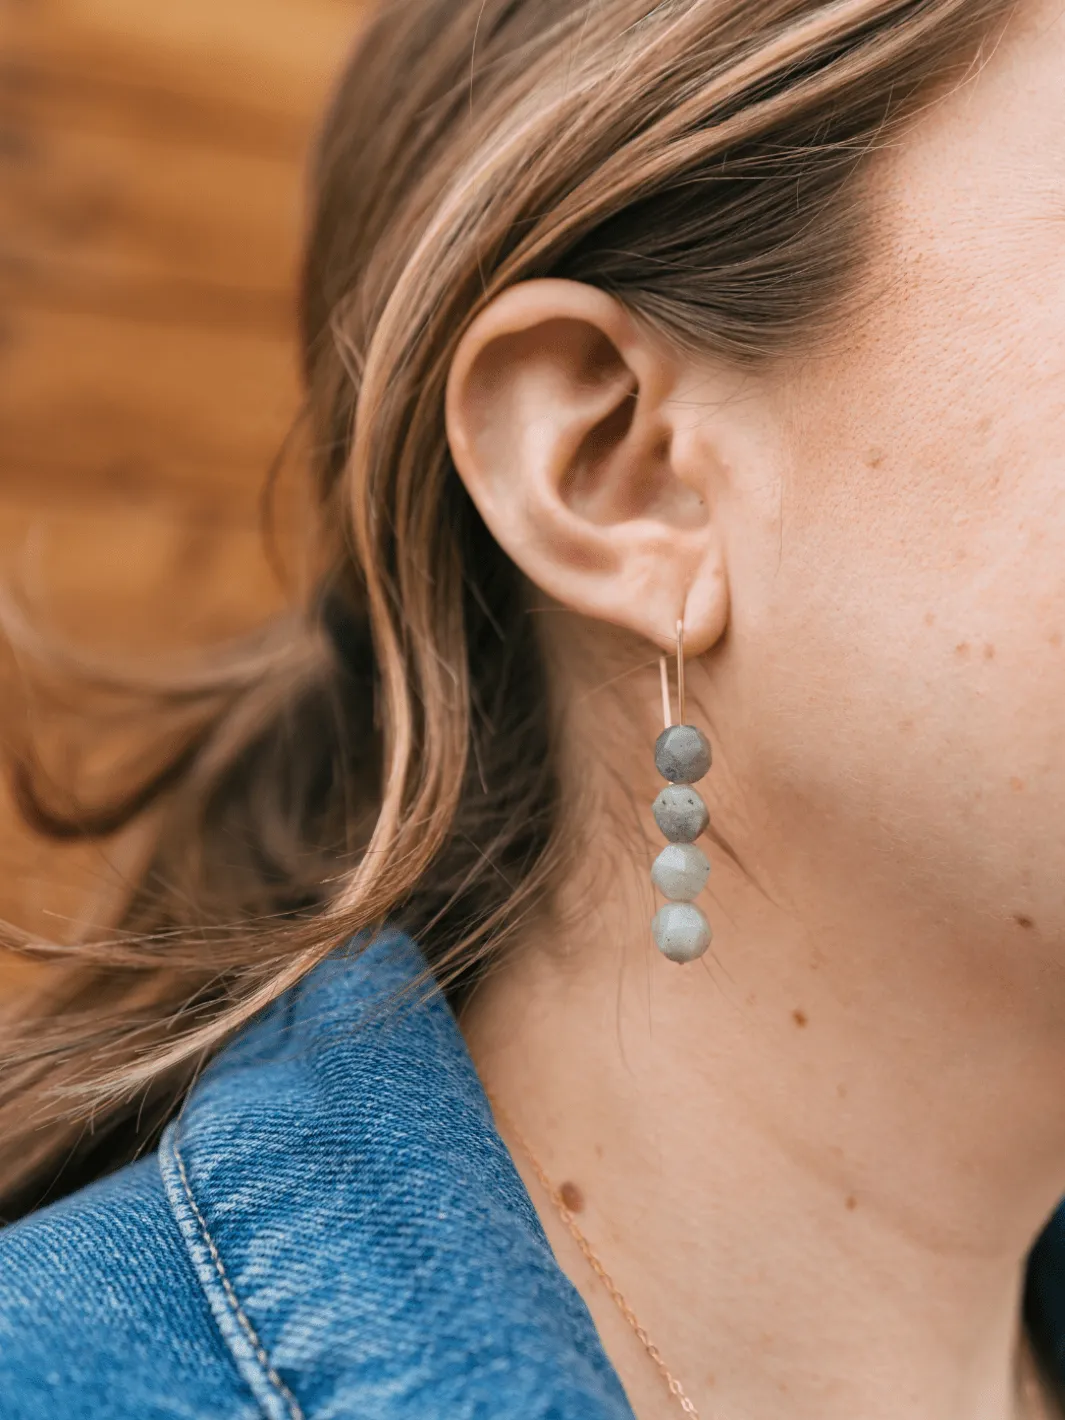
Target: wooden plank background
pixel 151 168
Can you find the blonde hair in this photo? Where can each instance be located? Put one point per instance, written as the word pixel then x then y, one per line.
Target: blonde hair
pixel 386 753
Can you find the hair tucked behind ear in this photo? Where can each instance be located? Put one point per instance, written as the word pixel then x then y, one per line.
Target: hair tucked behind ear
pixel 386 752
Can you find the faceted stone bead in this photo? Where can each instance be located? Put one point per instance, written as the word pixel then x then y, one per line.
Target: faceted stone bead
pixel 681 931
pixel 680 871
pixel 680 813
pixel 682 754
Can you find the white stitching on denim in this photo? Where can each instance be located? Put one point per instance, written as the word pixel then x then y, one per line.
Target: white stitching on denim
pixel 238 1311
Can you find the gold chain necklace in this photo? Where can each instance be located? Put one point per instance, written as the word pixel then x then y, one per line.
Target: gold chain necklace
pixel 1032 1385
pixel 676 1390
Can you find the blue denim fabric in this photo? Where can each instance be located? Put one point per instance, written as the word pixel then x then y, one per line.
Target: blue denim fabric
pixel 332 1230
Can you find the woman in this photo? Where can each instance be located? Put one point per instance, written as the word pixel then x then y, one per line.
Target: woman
pixel 693 363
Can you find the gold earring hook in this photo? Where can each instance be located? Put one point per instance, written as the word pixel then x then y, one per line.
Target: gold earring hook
pixel 663 669
pixel 680 673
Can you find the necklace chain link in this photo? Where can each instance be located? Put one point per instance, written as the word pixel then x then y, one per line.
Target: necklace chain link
pixel 673 1385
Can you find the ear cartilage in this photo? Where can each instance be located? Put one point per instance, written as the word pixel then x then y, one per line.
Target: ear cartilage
pixel 682 756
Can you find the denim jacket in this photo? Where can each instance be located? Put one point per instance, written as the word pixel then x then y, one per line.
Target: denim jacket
pixel 331 1230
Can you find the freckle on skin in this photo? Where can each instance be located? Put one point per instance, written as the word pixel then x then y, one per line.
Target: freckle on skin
pixel 572 1197
pixel 1023 920
pixel 1017 785
pixel 799 1017
pixel 852 1202
pixel 1055 638
pixel 962 648
pixel 598 1151
pixel 930 618
pixel 874 457
pixel 989 652
pixel 841 1090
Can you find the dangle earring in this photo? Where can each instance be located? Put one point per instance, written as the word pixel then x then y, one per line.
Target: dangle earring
pixel 682 755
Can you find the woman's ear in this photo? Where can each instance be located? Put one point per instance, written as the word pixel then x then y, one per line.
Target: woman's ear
pixel 563 424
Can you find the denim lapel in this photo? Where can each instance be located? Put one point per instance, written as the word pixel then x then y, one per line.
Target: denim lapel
pixel 365 1242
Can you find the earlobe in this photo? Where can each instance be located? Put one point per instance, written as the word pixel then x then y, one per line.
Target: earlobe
pixel 562 428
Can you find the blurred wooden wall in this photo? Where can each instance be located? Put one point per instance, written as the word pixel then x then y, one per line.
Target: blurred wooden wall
pixel 151 164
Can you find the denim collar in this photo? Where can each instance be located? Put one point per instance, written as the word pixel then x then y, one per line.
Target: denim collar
pixel 360 1230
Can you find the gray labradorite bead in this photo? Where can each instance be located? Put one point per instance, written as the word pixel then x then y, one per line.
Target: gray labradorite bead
pixel 680 813
pixel 682 754
pixel 680 871
pixel 681 931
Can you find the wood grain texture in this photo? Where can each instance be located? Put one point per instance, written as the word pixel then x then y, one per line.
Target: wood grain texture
pixel 151 210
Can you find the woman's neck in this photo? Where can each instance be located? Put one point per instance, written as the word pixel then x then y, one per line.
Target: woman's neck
pixel 813 1162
